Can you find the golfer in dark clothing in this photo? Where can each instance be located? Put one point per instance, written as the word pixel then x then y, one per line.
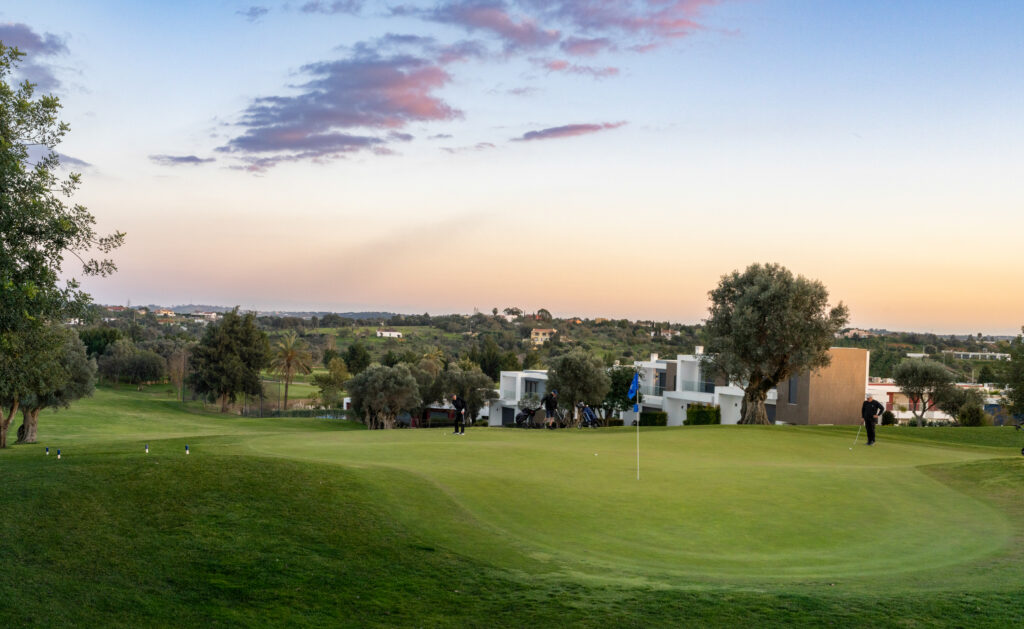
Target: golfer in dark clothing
pixel 460 414
pixel 870 411
pixel 550 402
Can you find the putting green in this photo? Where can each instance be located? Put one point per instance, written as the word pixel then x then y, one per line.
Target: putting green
pixel 713 504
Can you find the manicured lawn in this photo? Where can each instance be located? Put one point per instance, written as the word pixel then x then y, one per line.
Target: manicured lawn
pixel 319 523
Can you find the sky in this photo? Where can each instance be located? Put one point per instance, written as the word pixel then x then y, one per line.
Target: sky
pixel 591 157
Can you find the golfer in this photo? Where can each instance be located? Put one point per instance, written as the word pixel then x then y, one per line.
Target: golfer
pixel 460 414
pixel 550 402
pixel 870 411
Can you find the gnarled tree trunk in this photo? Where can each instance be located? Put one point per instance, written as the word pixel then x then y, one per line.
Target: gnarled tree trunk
pixel 29 424
pixel 5 422
pixel 754 411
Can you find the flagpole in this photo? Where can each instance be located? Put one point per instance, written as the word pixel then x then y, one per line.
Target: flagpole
pixel 636 408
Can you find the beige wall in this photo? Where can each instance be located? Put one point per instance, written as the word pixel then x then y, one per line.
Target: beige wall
pixel 832 395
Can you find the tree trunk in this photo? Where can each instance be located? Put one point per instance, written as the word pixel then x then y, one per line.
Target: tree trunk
pixel 5 422
pixel 224 403
pixel 30 423
pixel 754 411
pixel 286 382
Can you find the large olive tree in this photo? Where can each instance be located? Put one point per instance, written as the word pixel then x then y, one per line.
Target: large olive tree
pixel 766 325
pixel 39 227
pixel 925 383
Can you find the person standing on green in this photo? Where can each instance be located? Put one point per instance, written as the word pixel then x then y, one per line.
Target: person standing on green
pixel 460 414
pixel 870 411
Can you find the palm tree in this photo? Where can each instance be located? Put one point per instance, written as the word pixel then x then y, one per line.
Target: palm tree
pixel 290 356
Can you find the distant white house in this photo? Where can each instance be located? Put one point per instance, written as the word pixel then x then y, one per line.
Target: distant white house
pixel 977 355
pixel 391 334
pixel 539 336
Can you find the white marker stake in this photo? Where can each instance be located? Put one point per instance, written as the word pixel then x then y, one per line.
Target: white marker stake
pixel 58 453
pixel 47 451
pixel 147 448
pixel 186 448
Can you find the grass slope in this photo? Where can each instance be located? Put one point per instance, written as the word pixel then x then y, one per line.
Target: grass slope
pixel 313 523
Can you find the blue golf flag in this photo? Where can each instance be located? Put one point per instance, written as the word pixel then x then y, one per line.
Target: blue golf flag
pixel 634 387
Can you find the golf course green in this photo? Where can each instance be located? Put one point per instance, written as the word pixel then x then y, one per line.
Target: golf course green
pixel 317 522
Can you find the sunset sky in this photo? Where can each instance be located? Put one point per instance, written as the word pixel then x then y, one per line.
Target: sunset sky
pixel 591 157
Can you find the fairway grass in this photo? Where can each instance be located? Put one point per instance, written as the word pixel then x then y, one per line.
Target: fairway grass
pixel 315 522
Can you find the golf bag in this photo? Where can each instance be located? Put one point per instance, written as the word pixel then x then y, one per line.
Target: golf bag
pixel 524 418
pixel 588 418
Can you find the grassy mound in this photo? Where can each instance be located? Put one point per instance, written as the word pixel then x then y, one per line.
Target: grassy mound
pixel 312 523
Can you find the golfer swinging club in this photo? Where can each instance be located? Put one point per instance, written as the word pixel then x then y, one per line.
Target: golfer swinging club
pixel 870 411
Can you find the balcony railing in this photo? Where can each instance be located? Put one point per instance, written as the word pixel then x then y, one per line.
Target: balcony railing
pixel 699 387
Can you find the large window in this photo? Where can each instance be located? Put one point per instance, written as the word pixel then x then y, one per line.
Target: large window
pixel 530 386
pixel 792 390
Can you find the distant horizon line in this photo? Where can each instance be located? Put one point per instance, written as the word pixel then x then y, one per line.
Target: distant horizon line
pixel 313 312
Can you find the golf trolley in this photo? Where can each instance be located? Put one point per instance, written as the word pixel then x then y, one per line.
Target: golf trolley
pixel 524 418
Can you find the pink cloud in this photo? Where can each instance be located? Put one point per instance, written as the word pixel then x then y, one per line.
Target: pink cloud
pixel 493 16
pixel 567 131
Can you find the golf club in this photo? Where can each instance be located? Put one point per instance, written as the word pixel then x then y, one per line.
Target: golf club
pixel 857 437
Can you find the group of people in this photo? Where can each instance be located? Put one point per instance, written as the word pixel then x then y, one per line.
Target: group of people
pixel 870 412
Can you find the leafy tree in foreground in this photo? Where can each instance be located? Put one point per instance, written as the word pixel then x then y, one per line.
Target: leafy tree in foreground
pixel 22 378
pixel 380 393
pixel 924 382
pixel 579 377
pixel 765 325
pixel 73 377
pixel 228 359
pixel 290 356
pixel 38 228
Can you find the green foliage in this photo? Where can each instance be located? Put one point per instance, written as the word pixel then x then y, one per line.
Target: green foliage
pixel 924 382
pixel 332 383
pixel 888 418
pixel 97 339
pixel 986 374
pixel 953 399
pixel 653 418
pixel 613 421
pixel 380 393
pixel 229 358
pixel 973 414
pixel 579 377
pixel 357 358
pixel 144 366
pixel 703 415
pixel 290 356
pixel 1014 396
pixel 617 400
pixel 766 325
pixel 471 384
pixel 39 226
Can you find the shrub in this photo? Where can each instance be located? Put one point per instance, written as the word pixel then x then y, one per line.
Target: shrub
pixel 888 419
pixel 613 421
pixel 702 415
pixel 973 414
pixel 653 418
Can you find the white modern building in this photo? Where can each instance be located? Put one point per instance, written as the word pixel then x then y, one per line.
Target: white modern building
pixel 673 384
pixel 514 386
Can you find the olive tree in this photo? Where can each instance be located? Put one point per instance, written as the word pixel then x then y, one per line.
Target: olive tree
pixel 73 376
pixel 39 227
pixel 380 393
pixel 579 377
pixel 925 383
pixel 766 325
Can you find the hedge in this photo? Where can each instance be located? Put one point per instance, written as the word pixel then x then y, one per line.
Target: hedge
pixel 653 418
pixel 702 415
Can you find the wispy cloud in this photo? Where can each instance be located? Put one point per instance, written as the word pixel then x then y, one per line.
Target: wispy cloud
pixel 479 146
pixel 37 47
pixel 72 162
pixel 561 65
pixel 517 32
pixel 253 13
pixel 586 47
pixel 372 90
pixel 331 8
pixel 180 160
pixel 567 131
